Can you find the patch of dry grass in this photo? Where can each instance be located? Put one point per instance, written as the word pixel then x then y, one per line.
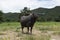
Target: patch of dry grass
pixel 56 33
pixel 39 31
pixel 2 33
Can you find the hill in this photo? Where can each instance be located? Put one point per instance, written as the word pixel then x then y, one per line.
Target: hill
pixel 49 14
pixel 11 16
pixel 44 13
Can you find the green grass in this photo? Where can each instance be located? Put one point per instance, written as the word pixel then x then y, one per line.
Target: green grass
pixel 47 26
pixel 42 26
pixel 9 25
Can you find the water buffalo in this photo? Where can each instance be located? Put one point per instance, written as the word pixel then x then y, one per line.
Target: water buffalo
pixel 28 21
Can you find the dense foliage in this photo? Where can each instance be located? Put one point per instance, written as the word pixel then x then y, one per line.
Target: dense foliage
pixel 1 16
pixel 44 14
pixel 48 14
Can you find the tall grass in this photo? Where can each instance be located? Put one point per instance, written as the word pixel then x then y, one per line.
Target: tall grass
pixel 41 26
pixel 49 26
pixel 9 25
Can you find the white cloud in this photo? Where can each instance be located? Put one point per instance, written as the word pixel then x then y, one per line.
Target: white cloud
pixel 57 2
pixel 13 5
pixel 17 5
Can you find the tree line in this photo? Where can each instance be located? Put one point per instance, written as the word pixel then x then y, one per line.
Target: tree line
pixel 44 14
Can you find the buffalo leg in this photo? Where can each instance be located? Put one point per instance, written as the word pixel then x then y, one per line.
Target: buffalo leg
pixel 22 29
pixel 27 29
pixel 31 30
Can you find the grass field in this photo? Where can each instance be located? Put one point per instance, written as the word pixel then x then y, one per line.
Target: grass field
pixel 50 26
pixel 41 31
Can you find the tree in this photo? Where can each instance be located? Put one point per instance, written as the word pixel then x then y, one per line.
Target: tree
pixel 1 16
pixel 25 11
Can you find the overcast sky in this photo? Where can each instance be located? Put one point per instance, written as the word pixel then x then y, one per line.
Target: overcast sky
pixel 17 5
